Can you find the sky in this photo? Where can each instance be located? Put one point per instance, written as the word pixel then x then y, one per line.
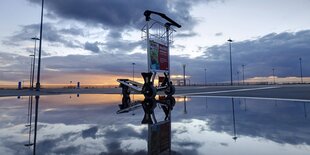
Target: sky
pixel 96 42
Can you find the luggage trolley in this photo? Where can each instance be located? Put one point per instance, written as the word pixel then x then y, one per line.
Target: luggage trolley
pixel 158 37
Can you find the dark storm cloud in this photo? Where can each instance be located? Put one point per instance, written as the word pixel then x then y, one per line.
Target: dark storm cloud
pixel 119 13
pixel 116 16
pixel 279 51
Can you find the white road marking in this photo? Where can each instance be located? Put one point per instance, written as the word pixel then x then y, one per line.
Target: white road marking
pixel 254 98
pixel 228 91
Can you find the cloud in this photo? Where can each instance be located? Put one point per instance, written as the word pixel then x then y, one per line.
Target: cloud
pixel 280 51
pixel 117 17
pixel 91 132
pixel 68 37
pixel 72 31
pixel 218 34
pixel 186 34
pixel 119 13
pixel 114 17
pixel 92 47
pixel 51 34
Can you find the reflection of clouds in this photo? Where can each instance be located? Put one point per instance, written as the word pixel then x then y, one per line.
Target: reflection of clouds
pixel 76 139
pixel 96 129
pixel 91 132
pixel 209 141
pixel 280 121
pixel 224 144
pixel 12 111
pixel 49 109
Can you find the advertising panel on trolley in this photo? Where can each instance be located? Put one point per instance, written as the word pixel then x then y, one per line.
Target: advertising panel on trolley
pixel 159 57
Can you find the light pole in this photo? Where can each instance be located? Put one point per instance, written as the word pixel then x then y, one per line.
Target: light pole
pixel 300 65
pixel 34 59
pixel 243 74
pixel 133 71
pixel 40 49
pixel 230 41
pixel 238 76
pixel 274 79
pixel 205 76
pixel 31 69
pixel 184 79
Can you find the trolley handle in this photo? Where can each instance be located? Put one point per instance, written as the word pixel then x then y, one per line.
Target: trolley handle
pixel 148 13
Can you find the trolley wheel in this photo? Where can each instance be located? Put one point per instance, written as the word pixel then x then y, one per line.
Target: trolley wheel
pixel 149 91
pixel 148 105
pixel 170 90
pixel 125 90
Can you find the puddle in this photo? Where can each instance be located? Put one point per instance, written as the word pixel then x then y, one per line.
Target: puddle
pixel 100 124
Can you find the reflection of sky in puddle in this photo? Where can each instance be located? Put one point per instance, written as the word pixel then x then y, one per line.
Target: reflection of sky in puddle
pixel 88 124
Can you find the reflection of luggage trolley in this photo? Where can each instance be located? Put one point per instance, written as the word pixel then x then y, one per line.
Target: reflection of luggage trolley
pixel 158 37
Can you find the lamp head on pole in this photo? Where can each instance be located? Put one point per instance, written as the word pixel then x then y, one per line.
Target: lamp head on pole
pixel 35 38
pixel 229 40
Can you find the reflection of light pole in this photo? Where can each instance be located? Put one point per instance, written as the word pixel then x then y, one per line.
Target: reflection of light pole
pixel 229 40
pixel 234 120
pixel 274 79
pixel 34 59
pixel 133 71
pixel 185 110
pixel 300 71
pixel 29 120
pixel 35 124
pixel 205 76
pixel 184 80
pixel 243 74
pixel 40 49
